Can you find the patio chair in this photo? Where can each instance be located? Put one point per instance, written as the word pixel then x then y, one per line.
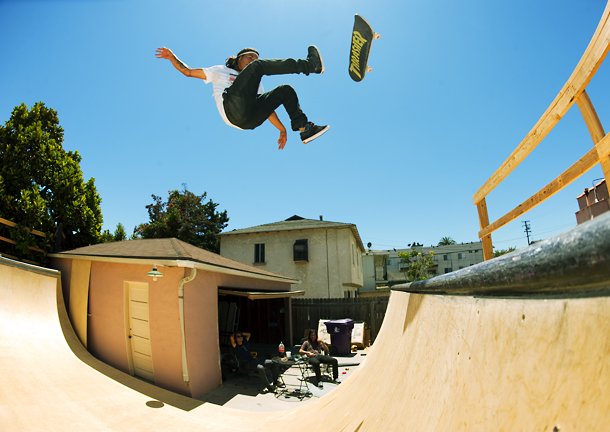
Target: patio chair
pixel 239 367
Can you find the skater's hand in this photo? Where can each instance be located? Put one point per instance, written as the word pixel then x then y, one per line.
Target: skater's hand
pixel 275 121
pixel 282 141
pixel 164 53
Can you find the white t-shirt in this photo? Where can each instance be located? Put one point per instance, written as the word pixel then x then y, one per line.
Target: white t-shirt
pixel 222 77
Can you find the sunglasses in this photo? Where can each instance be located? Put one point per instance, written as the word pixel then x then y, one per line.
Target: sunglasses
pixel 239 336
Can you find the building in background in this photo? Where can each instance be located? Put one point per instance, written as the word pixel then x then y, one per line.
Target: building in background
pixel 325 256
pixel 593 202
pixel 385 268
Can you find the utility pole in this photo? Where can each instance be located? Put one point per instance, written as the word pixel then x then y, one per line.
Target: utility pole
pixel 527 231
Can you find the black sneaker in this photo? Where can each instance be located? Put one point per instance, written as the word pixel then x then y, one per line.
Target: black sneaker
pixel 336 381
pixel 316 65
pixel 312 132
pixel 320 385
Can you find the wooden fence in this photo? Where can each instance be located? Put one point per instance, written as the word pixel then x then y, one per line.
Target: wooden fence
pixel 307 312
pixel 31 231
pixel 572 92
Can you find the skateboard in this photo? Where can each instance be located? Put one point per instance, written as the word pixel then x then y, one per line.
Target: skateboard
pixel 362 37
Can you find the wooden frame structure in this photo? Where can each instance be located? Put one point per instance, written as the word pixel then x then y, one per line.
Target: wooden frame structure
pixel 572 91
pixel 31 231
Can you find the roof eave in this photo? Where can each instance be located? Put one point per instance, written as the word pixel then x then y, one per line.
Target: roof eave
pixel 178 263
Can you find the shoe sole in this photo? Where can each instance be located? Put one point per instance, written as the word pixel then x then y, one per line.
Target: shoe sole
pixel 313 137
pixel 320 56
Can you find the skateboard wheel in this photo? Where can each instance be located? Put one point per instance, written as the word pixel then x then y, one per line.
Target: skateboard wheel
pixel 376 35
pixel 368 69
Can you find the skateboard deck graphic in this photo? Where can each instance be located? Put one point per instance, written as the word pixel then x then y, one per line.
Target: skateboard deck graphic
pixel 362 38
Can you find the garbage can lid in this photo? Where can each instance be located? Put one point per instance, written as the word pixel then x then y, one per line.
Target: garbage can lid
pixel 341 321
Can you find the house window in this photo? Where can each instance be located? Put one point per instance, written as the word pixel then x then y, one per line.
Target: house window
pixel 447 257
pixel 461 255
pixel 300 250
pixel 448 269
pixel 259 253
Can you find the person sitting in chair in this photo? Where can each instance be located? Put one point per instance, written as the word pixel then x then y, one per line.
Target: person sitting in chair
pixel 241 346
pixel 316 349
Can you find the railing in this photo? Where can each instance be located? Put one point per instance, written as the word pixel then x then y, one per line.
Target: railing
pixel 31 231
pixel 573 91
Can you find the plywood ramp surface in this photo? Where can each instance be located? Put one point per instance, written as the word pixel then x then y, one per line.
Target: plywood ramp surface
pixel 440 363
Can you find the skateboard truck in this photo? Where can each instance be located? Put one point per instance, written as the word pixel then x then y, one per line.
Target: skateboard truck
pixel 375 36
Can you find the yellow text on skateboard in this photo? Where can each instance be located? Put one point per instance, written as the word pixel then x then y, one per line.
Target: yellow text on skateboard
pixel 357 43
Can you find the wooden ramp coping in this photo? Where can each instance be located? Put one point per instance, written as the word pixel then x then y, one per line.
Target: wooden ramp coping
pixel 573 91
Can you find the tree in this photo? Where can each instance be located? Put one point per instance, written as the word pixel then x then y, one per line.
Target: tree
pixel 41 183
pixel 501 252
pixel 119 234
pixel 106 237
pixel 446 241
pixel 419 265
pixel 186 217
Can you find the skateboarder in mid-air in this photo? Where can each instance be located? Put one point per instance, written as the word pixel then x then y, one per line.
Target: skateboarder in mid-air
pixel 239 94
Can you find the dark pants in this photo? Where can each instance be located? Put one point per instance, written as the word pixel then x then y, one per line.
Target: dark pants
pixel 315 363
pixel 247 109
pixel 256 366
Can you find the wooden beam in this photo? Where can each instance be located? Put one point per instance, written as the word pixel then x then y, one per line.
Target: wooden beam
pixel 583 165
pixel 488 251
pixel 595 127
pixel 585 70
pixel 4 239
pixel 12 224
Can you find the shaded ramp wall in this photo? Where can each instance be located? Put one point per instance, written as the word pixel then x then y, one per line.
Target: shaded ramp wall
pixel 471 362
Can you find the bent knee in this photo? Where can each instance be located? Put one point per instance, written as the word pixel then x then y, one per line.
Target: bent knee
pixel 286 88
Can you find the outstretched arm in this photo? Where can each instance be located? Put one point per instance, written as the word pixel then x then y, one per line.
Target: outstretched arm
pixel 166 53
pixel 273 118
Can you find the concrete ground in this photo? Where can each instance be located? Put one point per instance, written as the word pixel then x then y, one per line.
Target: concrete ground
pixel 247 393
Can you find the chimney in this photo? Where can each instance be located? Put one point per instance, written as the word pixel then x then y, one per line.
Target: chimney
pixel 321 218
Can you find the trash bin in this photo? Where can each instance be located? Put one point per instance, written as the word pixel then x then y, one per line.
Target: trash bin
pixel 340 332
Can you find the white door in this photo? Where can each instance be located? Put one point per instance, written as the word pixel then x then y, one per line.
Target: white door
pixel 139 331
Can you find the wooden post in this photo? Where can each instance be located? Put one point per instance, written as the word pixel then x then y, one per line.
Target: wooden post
pixel 488 250
pixel 595 127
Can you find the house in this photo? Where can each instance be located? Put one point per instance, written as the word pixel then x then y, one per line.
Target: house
pixel 593 202
pixel 325 256
pixel 161 308
pixel 385 268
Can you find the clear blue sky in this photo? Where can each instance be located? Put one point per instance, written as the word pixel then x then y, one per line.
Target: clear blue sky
pixel 454 89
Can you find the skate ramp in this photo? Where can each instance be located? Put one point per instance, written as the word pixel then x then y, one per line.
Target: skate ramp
pixel 540 361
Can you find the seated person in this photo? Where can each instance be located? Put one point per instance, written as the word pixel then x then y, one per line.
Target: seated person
pixel 241 346
pixel 316 350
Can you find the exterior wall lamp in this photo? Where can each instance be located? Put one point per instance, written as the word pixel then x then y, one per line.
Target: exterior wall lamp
pixel 154 273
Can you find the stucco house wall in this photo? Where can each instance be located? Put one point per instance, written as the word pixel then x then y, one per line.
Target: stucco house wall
pixel 334 264
pixel 107 329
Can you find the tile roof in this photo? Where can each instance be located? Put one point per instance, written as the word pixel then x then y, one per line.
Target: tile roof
pixel 296 223
pixel 163 249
